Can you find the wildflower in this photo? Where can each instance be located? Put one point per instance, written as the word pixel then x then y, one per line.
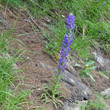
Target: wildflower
pixel 70 22
pixel 104 3
pixel 67 41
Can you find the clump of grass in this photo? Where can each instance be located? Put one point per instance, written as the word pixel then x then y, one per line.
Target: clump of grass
pixel 97 105
pixel 10 99
pixel 87 69
pixel 56 36
pixel 12 3
pixel 52 93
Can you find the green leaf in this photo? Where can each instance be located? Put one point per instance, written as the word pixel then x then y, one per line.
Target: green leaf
pixel 89 63
pixel 77 65
pixel 83 107
pixel 91 77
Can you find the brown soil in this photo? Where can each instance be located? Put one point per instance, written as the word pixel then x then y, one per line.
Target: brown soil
pixel 33 73
pixel 100 84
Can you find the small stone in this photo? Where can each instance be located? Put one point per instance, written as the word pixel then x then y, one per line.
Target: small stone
pixel 49 21
pixel 106 92
pixel 104 62
pixel 26 20
pixel 38 89
pixel 28 57
pixel 74 106
pixel 45 66
pixel 42 65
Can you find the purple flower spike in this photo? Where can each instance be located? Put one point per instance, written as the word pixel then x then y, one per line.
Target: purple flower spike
pixel 70 22
pixel 67 41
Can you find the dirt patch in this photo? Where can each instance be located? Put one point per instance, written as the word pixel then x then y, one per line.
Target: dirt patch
pixel 101 83
pixel 35 75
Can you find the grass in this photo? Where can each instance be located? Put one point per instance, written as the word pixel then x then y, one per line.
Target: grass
pixel 10 99
pixel 56 37
pixel 87 69
pixel 88 24
pixel 53 93
pixel 97 105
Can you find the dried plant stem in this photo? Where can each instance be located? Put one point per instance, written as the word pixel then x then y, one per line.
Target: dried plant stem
pixel 83 31
pixel 34 21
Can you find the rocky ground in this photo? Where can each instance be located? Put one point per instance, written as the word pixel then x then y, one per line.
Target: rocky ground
pixel 38 67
